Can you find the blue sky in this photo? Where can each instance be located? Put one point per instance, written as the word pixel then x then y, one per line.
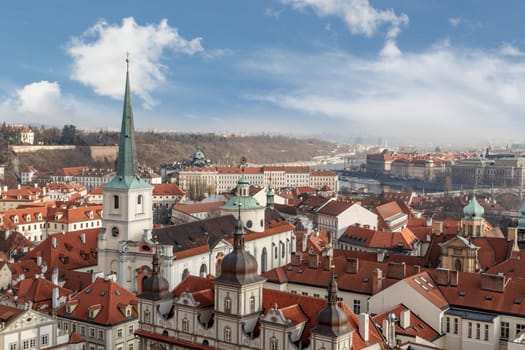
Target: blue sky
pixel 407 70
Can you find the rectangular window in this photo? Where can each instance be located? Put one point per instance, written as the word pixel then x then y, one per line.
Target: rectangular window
pixel 82 331
pixel 519 328
pixel 469 333
pixel 130 346
pixel 486 337
pixel 456 326
pixel 447 325
pixel 44 340
pixel 130 330
pixel 119 333
pixel 100 334
pixel 357 306
pixel 478 331
pixel 12 346
pixel 92 332
pixel 504 330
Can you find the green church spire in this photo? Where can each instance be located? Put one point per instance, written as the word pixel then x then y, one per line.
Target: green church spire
pixel 127 153
pixel 127 176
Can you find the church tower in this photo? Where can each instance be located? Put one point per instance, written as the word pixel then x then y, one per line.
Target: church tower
pixel 127 206
pixel 238 293
pixel 332 331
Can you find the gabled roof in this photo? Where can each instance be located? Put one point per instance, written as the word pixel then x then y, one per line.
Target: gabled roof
pixel 107 296
pixel 427 288
pixel 379 239
pixel 335 208
pixel 417 327
pixel 8 314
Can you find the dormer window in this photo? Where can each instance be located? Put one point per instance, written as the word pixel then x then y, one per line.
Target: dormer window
pixel 94 310
pixel 15 219
pixel 27 218
pixel 90 215
pixel 39 216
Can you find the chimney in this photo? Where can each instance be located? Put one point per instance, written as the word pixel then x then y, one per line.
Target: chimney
pixel 429 221
pixel 5 189
pixel 19 187
pixel 396 270
pixel 385 328
pixel 381 255
pixel 313 261
pixel 437 227
pixel 377 281
pixel 404 319
pixel 96 275
pixel 297 259
pixel 415 270
pixel 512 234
pixel 364 327
pixel 328 262
pixel 83 238
pixel 391 339
pixel 304 242
pixel 54 293
pixel 443 276
pixel 53 241
pixel 454 278
pixel 352 265
pixel 493 283
pixel 39 260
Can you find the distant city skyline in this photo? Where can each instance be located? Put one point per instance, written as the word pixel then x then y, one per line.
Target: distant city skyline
pixel 421 71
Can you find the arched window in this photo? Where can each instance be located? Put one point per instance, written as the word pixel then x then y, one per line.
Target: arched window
pixel 203 271
pixel 116 202
pixel 457 265
pixel 228 304
pixel 274 343
pixel 478 231
pixel 252 304
pixel 283 251
pixel 227 334
pixel 264 260
pixel 115 231
pixel 185 273
pixel 140 204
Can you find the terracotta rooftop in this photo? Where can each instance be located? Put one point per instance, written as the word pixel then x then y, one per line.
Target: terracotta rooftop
pixel 167 190
pixel 104 295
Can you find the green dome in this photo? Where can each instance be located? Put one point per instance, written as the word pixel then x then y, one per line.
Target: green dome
pixel 243 197
pixel 473 210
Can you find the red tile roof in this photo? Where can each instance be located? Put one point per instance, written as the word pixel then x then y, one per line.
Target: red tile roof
pixel 167 190
pixel 417 327
pixel 70 252
pixel 38 291
pixel 107 296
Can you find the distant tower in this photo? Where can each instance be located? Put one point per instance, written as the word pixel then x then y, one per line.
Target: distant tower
pixel 270 197
pixel 127 206
pixel 473 223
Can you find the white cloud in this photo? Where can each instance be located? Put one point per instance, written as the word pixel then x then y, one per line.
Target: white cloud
pixel 43 103
pixel 359 16
pixel 511 50
pixel 98 56
pixel 441 93
pixel 455 21
pixel 270 12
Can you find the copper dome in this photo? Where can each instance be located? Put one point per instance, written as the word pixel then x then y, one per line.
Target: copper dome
pixel 332 320
pixel 155 287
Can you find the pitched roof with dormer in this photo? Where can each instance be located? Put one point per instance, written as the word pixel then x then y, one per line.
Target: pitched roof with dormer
pixel 379 239
pixel 38 291
pixel 103 302
pixel 73 213
pixel 68 251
